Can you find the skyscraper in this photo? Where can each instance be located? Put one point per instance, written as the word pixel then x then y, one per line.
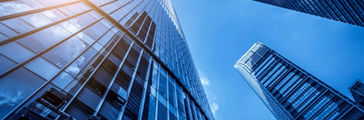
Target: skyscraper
pixel 347 11
pixel 96 59
pixel 290 92
pixel 357 90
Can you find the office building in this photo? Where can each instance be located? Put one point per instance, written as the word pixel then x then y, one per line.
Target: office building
pixel 96 59
pixel 347 11
pixel 357 91
pixel 290 92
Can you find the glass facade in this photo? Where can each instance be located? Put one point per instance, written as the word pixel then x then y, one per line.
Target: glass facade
pixel 347 11
pixel 290 92
pixel 96 59
pixel 357 91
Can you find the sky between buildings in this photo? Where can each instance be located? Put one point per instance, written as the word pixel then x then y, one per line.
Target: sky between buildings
pixel 219 32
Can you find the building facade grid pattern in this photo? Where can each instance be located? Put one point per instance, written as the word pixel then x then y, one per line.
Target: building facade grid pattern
pixel 289 91
pixel 96 59
pixel 347 11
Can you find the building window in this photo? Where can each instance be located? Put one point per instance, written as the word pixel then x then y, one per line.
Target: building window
pixel 11 92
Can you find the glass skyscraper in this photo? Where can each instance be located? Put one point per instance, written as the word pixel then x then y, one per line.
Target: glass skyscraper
pixel 357 91
pixel 347 11
pixel 96 59
pixel 290 92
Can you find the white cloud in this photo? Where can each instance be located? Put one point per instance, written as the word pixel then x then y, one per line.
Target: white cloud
pixel 203 78
pixel 214 108
pixel 206 82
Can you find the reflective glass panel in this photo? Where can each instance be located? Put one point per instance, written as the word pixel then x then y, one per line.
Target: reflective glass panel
pixel 42 68
pixel 15 52
pixel 15 88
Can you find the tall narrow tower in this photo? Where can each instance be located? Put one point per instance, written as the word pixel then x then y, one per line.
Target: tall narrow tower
pixel 290 92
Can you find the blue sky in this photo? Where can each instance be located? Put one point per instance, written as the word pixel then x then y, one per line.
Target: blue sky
pixel 219 32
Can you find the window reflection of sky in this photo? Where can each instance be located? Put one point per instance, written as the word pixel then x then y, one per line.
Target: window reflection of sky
pixel 11 94
pixel 37 19
pixel 7 8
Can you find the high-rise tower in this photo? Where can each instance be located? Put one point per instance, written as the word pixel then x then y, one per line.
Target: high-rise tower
pixel 290 92
pixel 96 59
pixel 357 91
pixel 347 11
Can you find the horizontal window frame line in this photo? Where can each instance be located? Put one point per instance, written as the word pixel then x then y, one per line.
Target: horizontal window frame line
pixel 127 32
pixel 42 52
pixel 41 28
pixel 35 11
pixel 61 70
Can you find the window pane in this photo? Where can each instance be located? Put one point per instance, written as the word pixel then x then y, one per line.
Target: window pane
pixel 79 110
pixel 86 38
pixel 5 64
pixel 152 108
pixel 171 92
pixel 54 14
pixel 6 31
pixel 96 30
pixel 114 102
pixel 77 65
pixel 12 7
pixel 78 8
pixel 66 52
pixel 2 37
pixel 15 52
pixel 15 88
pixel 78 22
pixel 42 68
pixel 66 11
pixel 18 25
pixel 62 80
pixel 155 75
pixel 162 111
pixel 45 38
pixel 163 83
pixel 37 19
